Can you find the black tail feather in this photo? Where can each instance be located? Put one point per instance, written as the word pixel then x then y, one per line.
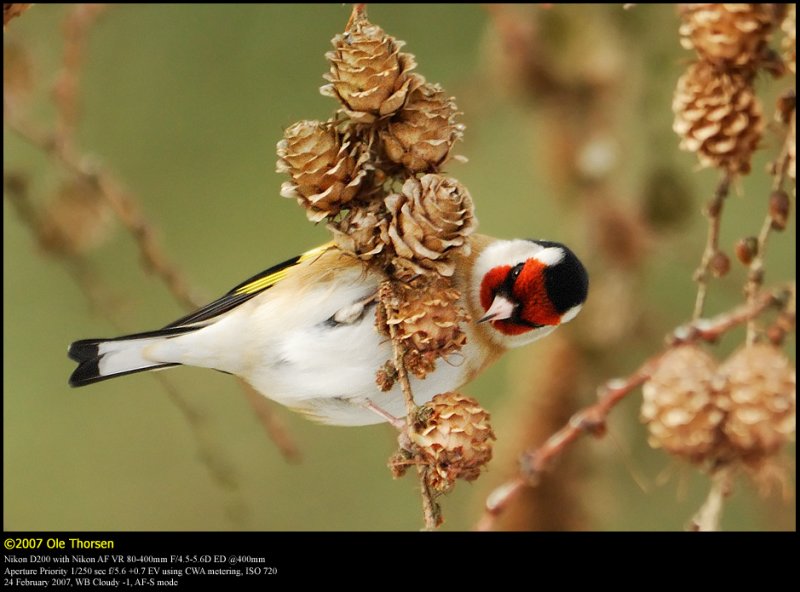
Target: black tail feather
pixel 84 350
pixel 87 353
pixel 88 372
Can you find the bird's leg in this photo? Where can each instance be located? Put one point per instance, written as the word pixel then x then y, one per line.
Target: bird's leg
pixel 398 423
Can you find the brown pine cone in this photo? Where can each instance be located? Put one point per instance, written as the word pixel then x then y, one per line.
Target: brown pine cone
pixel 729 35
pixel 718 116
pixel 427 318
pixel 432 218
pixel 760 401
pixel 454 437
pixel 327 167
pixel 421 136
pixel 359 231
pixel 679 405
pixel 369 74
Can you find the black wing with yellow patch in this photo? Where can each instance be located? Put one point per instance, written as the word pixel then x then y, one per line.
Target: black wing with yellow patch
pixel 247 289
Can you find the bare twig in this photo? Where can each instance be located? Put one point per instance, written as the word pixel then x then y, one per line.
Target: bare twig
pixel 17 192
pixel 592 419
pixel 123 204
pixel 709 515
pixel 402 374
pixel 87 281
pixel 430 509
pixel 359 12
pixel 714 213
pixel 153 257
pixel 272 423
pixel 77 26
pixel 787 320
pixel 755 275
pixel 11 11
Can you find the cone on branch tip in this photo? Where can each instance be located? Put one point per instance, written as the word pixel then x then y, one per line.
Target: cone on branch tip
pixel 680 407
pixel 427 320
pixel 759 400
pixel 717 116
pixel 421 136
pixel 369 75
pixel 729 36
pixel 430 219
pixel 743 411
pixel 453 435
pixel 327 167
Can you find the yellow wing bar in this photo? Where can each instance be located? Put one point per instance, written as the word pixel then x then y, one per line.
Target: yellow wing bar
pixel 270 279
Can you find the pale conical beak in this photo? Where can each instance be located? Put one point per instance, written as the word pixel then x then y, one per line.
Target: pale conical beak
pixel 501 308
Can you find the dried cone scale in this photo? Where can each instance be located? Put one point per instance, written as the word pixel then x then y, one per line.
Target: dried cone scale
pixel 679 405
pixel 426 317
pixel 421 136
pixel 718 116
pixel 760 401
pixel 728 35
pixel 369 74
pixel 454 438
pixel 430 219
pixel 327 167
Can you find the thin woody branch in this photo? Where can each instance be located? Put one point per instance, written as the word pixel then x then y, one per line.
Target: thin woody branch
pixel 592 419
pixel 77 26
pixel 272 424
pixel 153 257
pixel 708 517
pixel 776 219
pixel 430 509
pixel 712 259
pixel 12 11
pixel 124 206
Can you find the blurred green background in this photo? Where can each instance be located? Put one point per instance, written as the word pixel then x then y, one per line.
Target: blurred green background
pixel 185 104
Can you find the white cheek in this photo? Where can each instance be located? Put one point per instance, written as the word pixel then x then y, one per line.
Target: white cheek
pixel 550 256
pixel 571 314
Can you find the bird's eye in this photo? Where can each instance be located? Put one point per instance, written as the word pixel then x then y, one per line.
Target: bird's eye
pixel 514 273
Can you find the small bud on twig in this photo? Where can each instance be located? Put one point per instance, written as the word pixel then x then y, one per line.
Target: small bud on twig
pixel 720 264
pixel 746 249
pixel 779 209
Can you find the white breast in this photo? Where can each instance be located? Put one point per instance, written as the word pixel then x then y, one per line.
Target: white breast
pixel 291 346
pixel 301 359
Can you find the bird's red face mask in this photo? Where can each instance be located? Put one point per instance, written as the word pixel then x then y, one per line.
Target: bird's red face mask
pixel 516 300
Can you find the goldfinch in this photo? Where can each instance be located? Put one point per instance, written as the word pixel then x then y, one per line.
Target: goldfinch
pixel 303 333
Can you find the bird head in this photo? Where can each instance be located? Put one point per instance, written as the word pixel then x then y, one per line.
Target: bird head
pixel 527 289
